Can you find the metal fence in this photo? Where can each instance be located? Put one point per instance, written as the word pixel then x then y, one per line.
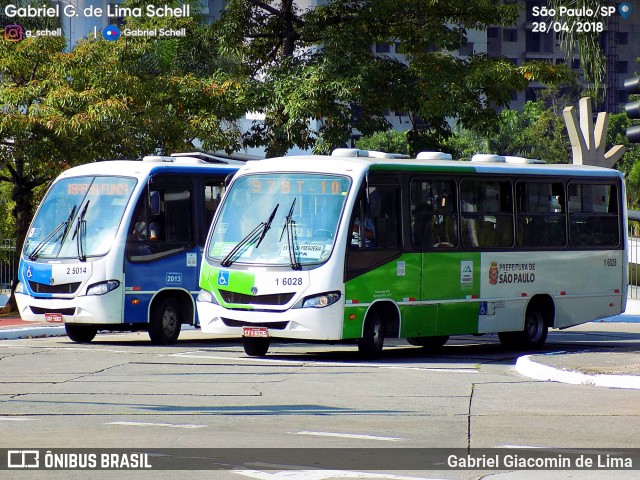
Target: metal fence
pixel 8 267
pixel 634 254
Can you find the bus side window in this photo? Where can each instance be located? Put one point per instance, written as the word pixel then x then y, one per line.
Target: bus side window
pixel 381 219
pixel 386 215
pixel 593 215
pixel 177 215
pixel 434 222
pixel 541 219
pixel 163 220
pixel 213 190
pixel 487 213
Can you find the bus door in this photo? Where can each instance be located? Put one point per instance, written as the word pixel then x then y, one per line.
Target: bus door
pixel 162 247
pixel 449 277
pixel 376 267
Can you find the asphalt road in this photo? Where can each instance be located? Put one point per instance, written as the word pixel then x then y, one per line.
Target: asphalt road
pixel 122 392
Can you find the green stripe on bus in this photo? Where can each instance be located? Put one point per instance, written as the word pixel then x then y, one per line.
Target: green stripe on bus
pixel 233 280
pixel 451 280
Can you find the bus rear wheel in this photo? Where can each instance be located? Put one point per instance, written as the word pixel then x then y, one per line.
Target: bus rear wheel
pixel 256 347
pixel 165 322
pixel 429 343
pixel 533 336
pixel 80 333
pixel 372 341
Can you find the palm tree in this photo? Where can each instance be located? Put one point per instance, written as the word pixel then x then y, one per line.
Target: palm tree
pixel 587 44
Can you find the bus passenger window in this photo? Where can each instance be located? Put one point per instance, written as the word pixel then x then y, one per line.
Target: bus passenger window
pixel 593 215
pixel 434 221
pixel 541 220
pixel 487 213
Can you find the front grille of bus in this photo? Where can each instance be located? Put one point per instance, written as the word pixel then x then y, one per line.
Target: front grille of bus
pixel 243 299
pixel 270 325
pixel 62 288
pixel 62 311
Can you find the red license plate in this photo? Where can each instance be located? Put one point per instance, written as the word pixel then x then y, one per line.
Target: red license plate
pixel 259 332
pixel 53 317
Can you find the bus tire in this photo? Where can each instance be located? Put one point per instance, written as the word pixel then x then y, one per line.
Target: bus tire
pixel 372 341
pixel 80 333
pixel 256 347
pixel 533 336
pixel 165 322
pixel 429 343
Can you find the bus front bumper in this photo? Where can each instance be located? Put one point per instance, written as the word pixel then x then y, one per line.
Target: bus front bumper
pixel 92 309
pixel 297 323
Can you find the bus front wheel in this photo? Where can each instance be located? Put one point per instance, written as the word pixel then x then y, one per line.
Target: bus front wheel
pixel 372 341
pixel 80 333
pixel 256 347
pixel 533 335
pixel 165 322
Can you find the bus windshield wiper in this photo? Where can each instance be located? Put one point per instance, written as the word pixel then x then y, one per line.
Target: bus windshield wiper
pixel 290 227
pixel 255 235
pixel 78 234
pixel 66 224
pixel 267 225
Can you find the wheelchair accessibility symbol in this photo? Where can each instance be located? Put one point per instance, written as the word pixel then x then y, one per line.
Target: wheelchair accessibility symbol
pixel 223 278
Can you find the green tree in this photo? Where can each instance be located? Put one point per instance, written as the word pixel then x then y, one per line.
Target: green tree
pixel 33 22
pixel 536 132
pixel 586 43
pixel 104 100
pixel 315 74
pixel 390 141
pixel 629 164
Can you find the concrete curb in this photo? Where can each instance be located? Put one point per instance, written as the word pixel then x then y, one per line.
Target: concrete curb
pixel 527 367
pixel 32 332
pixel 37 331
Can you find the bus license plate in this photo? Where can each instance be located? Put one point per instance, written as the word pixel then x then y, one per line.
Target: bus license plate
pixel 53 317
pixel 258 332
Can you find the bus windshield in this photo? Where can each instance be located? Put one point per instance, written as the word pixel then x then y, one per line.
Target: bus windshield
pixel 79 217
pixel 279 219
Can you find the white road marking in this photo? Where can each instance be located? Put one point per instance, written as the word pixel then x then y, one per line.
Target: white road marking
pixel 326 364
pixel 16 419
pixel 350 435
pixel 320 475
pixel 524 447
pixel 145 424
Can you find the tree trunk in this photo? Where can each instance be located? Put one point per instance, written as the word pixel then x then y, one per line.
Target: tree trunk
pixel 22 195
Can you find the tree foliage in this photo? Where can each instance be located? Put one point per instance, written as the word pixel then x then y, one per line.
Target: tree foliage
pixel 390 141
pixel 105 100
pixel 315 74
pixel 586 43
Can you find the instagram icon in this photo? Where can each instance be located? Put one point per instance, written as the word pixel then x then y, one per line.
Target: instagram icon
pixel 13 33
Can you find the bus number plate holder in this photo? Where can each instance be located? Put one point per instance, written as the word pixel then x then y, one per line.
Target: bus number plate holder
pixel 53 317
pixel 255 332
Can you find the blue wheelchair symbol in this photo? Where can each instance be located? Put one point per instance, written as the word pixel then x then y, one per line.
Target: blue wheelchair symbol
pixel 223 278
pixel 483 308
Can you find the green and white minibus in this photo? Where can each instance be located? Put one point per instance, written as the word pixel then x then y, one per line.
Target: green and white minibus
pixel 496 244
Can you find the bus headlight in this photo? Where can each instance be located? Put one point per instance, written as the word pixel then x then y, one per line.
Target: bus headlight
pixel 19 288
pixel 102 287
pixel 322 300
pixel 207 297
